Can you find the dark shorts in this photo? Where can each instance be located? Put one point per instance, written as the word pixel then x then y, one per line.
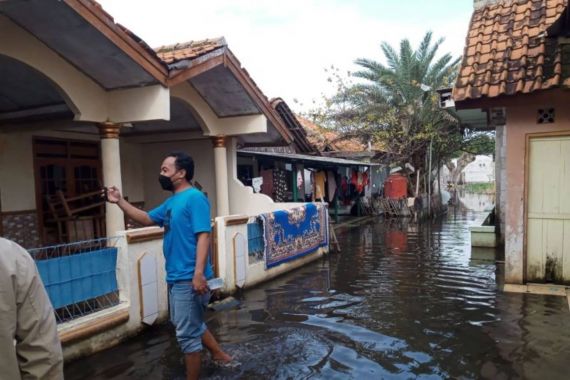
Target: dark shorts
pixel 187 315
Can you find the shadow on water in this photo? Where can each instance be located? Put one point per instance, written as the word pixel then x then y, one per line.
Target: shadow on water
pixel 401 301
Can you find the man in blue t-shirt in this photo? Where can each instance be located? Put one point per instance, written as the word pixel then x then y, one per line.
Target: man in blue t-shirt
pixel 185 217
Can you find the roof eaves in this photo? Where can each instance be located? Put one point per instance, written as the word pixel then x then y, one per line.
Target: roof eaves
pixel 241 74
pixel 127 41
pixel 294 126
pixel 307 158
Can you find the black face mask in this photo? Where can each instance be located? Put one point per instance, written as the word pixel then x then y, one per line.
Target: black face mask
pixel 165 183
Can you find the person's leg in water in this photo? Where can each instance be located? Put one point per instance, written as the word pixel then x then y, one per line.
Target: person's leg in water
pixel 187 315
pixel 192 362
pixel 216 351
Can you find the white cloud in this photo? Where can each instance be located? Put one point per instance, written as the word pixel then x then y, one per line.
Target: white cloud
pixel 284 46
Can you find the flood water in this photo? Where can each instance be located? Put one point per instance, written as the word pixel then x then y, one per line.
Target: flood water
pixel 400 302
pixel 476 201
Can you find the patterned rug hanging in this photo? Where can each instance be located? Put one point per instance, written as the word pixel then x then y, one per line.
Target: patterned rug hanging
pixel 293 233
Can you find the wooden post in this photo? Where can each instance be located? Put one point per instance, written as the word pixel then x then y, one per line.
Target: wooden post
pixel 429 178
pixel 439 183
pixel 294 167
pixel 1 222
pixel 418 183
pixel 336 209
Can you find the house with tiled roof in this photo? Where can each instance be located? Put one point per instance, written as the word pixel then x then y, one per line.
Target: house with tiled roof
pixel 86 104
pixel 514 78
pixel 102 84
pixel 288 173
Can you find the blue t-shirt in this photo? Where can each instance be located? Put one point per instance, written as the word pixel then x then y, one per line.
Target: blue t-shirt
pixel 183 215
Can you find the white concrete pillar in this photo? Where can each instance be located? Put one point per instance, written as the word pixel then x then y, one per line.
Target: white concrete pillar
pixel 221 169
pixel 111 158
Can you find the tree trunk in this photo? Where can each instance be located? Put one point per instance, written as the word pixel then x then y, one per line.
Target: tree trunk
pixel 462 162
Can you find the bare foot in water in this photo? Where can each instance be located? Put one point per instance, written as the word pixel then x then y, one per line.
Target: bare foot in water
pixel 221 357
pixel 216 352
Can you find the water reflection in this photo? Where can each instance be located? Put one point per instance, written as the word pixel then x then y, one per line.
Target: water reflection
pixel 419 306
pixel 476 201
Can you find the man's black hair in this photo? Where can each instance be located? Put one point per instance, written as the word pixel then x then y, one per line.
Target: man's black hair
pixel 184 161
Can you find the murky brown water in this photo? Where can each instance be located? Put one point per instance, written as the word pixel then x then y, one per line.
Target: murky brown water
pixel 399 302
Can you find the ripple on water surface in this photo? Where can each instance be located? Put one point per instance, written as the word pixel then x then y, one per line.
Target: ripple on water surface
pixel 400 301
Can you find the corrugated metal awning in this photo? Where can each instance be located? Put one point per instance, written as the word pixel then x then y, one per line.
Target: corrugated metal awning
pixel 325 161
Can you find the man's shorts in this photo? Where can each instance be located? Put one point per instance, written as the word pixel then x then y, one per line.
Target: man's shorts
pixel 187 315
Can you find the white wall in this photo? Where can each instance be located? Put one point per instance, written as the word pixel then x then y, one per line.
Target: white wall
pixel 140 166
pixel 255 272
pixel 17 186
pixel 243 201
pixel 201 151
pixel 482 170
pixel 132 171
pixel 17 177
pixel 129 295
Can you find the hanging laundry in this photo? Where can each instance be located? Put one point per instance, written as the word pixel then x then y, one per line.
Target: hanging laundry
pixel 359 180
pixel 331 183
pixel 320 178
pixel 365 179
pixel 307 174
pixel 267 185
pixel 345 190
pixel 280 185
pixel 344 185
pixel 256 183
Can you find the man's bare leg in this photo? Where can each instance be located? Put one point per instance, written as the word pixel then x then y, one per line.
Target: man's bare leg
pixel 216 351
pixel 192 362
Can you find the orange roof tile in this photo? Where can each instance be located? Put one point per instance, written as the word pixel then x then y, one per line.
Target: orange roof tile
pixel 322 138
pixel 507 50
pixel 189 50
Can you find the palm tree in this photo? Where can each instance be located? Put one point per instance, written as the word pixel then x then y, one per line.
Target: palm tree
pixel 409 74
pixel 398 104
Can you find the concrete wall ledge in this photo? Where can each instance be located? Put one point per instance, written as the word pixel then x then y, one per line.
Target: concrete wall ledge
pixel 234 220
pixel 140 235
pixel 92 324
pixel 487 229
pixel 544 289
pixel 483 234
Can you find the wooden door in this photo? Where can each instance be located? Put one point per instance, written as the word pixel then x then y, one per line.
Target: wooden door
pixel 74 168
pixel 548 210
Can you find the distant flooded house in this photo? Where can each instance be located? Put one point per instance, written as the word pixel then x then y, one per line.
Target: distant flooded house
pixel 514 78
pixel 335 145
pixel 311 168
pixel 482 170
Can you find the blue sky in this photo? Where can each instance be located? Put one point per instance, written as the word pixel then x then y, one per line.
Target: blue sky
pixel 285 46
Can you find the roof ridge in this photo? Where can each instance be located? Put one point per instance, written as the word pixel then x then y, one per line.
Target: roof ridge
pixel 189 44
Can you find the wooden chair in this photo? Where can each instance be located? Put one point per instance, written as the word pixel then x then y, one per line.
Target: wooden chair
pixel 77 218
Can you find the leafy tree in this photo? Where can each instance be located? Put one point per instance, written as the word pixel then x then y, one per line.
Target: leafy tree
pixel 396 105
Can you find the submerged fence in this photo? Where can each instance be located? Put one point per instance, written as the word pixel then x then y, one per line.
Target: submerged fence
pixel 256 244
pixel 80 278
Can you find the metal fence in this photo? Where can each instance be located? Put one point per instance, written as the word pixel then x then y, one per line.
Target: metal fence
pixel 255 242
pixel 80 278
